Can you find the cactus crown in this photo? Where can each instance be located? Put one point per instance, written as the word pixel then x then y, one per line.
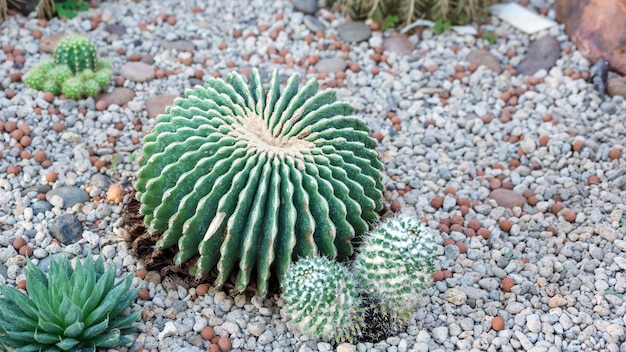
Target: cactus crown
pixel 249 178
pixel 396 262
pixel 77 52
pixel 67 310
pixel 322 298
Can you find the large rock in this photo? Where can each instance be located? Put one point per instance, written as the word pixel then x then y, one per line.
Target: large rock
pixel 597 28
pixel 542 55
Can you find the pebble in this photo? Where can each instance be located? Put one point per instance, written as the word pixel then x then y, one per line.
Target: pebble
pixel 398 44
pixel 542 55
pixel 156 105
pixel 507 198
pixel 354 32
pixel 118 96
pixel 67 197
pixel 66 228
pixel 313 24
pixel 331 65
pixel 482 57
pixel 137 71
pixel 306 6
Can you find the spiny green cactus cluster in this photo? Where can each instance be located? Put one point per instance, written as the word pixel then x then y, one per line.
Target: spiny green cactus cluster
pixel 322 298
pixel 70 309
pixel 393 268
pixel 241 178
pixel 407 11
pixel 396 262
pixel 75 71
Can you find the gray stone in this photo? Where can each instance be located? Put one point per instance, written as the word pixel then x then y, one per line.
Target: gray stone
pixel 440 334
pixel 66 228
pixel 70 196
pixel 116 29
pixel 398 44
pixel 331 65
pixel 482 57
pixel 306 6
pixel 313 24
pixel 118 96
pixel 41 207
pixel 157 105
pixel 3 270
pixel 100 180
pixel 354 32
pixel 542 55
pixel 180 45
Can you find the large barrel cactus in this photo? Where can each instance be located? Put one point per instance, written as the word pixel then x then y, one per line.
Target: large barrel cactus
pixel 240 176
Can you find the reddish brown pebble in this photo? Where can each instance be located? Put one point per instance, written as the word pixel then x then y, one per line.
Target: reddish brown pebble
pixel 446 221
pixel 375 70
pixel 144 294
pixel 17 134
pixel 615 153
pixel 436 202
pixel 207 332
pixel 462 247
pixel 456 228
pixel 578 145
pixel 474 224
pixel 543 140
pixel 25 154
pixel 395 205
pixel 51 176
pixel 447 274
pixel 449 190
pixel 505 225
pixel 438 275
pixel 223 46
pixel 19 243
pixel 224 344
pixel 484 233
pixel 593 180
pixel 101 105
pixel 141 273
pixel 469 233
pixel 46 164
pixel 457 219
pixel 26 251
pixel 171 20
pixel 556 208
pixel 202 289
pixel 58 127
pixel 25 141
pixel 463 202
pixel 507 283
pixel 497 323
pixel 448 241
pixel 378 136
pixel 213 348
pixel 443 228
pixel 569 215
pixel 13 170
pixel 532 201
pixel 528 193
pixel 551 229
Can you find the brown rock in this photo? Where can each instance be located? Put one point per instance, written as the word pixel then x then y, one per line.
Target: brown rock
pixel 616 86
pixel 119 96
pixel 483 57
pixel 507 284
pixel 48 43
pixel 507 198
pixel 596 27
pixel 497 323
pixel 398 44
pixel 137 71
pixel 542 54
pixel 156 106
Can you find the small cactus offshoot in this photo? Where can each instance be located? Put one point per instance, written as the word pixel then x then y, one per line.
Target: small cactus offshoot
pixel 322 298
pixel 396 262
pixel 75 71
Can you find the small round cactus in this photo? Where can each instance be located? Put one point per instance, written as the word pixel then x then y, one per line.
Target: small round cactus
pixel 60 73
pixel 396 262
pixel 252 179
pixel 73 88
pixel 77 52
pixel 322 298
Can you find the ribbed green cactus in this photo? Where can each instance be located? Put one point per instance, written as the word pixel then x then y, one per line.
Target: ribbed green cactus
pixel 249 178
pixel 75 71
pixel 77 52
pixel 322 298
pixel 396 262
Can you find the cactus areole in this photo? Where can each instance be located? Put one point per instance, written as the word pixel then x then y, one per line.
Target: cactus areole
pixel 245 178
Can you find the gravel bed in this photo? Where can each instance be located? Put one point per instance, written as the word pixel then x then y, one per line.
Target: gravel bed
pixel 523 177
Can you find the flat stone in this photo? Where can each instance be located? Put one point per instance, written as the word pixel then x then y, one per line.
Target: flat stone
pixel 41 207
pixel 331 65
pixel 354 32
pixel 48 43
pixel 482 57
pixel 313 24
pixel 137 71
pixel 119 96
pixel 69 196
pixel 542 54
pixel 556 301
pixel 156 106
pixel 66 228
pixel 306 6
pixel 116 29
pixel 398 44
pixel 180 45
pixel 507 198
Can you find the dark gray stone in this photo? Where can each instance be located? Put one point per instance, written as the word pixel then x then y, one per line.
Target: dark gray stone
pixel 354 32
pixel 306 6
pixel 542 54
pixel 70 196
pixel 100 180
pixel 66 228
pixel 41 207
pixel 3 270
pixel 116 29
